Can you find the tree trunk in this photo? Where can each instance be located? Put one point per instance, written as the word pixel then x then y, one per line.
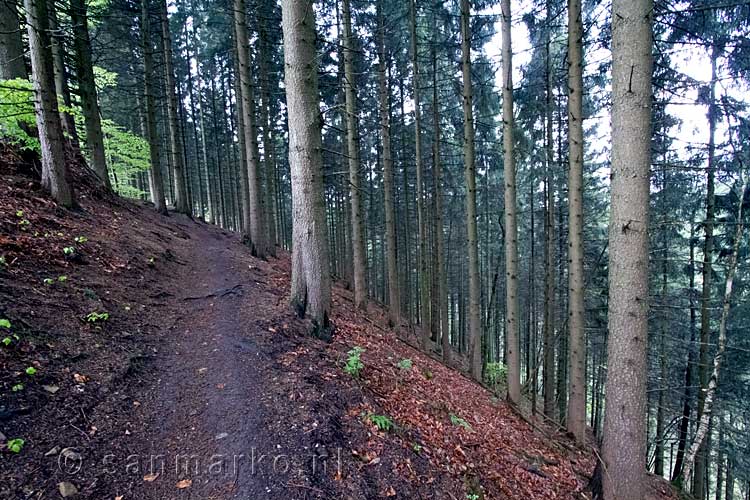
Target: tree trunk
pixel 394 301
pixel 311 285
pixel 257 223
pixel 359 257
pixel 576 418
pixel 710 395
pixel 441 290
pixel 699 484
pixel 511 224
pixel 423 301
pixel 61 75
pixel 269 156
pixel 157 184
pixel 624 443
pixel 45 103
pixel 12 64
pixel 87 90
pixel 178 162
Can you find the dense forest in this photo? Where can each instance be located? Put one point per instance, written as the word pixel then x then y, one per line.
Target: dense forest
pixel 547 196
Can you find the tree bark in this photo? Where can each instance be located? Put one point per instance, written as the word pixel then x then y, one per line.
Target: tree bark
pixel 157 184
pixel 423 303
pixel 61 75
pixel 699 483
pixel 359 257
pixel 12 64
pixel 257 223
pixel 394 300
pixel 87 90
pixel 624 443
pixel 45 104
pixel 311 285
pixel 441 290
pixel 704 420
pixel 511 224
pixel 576 417
pixel 178 162
pixel 269 156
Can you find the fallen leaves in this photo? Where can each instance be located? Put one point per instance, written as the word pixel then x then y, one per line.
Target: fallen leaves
pixel 185 483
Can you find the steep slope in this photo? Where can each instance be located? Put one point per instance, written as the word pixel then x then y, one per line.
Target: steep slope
pixel 195 380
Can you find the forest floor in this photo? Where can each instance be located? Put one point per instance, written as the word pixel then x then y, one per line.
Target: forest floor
pixel 200 383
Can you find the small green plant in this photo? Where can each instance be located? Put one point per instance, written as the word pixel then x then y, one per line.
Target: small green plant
pixel 80 239
pixel 354 363
pixel 4 323
pixel 69 250
pixel 15 445
pixel 24 223
pixel 405 364
pixel 460 422
pixel 416 448
pixel 382 422
pixel 19 213
pixel 472 496
pixel 7 341
pixel 495 374
pixel 94 317
pixel 3 262
pixel 30 371
pixel 48 281
pixel 17 387
pixel 62 279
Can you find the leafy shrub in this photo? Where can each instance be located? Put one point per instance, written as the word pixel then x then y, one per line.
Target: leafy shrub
pixel 15 445
pixel 405 364
pixel 94 317
pixel 495 374
pixel 354 365
pixel 459 422
pixel 382 422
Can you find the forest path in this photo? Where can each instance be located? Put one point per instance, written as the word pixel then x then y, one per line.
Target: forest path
pixel 214 427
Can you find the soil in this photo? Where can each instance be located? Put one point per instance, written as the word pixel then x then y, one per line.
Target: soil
pixel 194 379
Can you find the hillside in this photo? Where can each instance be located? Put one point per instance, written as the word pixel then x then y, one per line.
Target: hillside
pixel 158 359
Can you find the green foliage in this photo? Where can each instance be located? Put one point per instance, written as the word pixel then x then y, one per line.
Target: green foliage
pixel 3 262
pixel 17 112
pixel 459 422
pixel 15 445
pixel 416 448
pixel 7 341
pixel 382 422
pixel 495 373
pixel 104 78
pixel 48 281
pixel 30 371
pixel 17 387
pixel 405 364
pixel 69 250
pixel 354 363
pixel 62 279
pixel 80 239
pixel 19 213
pixel 4 323
pixel 472 496
pixel 94 317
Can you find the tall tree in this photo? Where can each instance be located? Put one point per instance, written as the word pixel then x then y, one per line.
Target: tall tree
pixel 624 441
pixel 87 90
pixel 157 183
pixel 61 74
pixel 475 321
pixel 311 285
pixel 45 103
pixel 423 284
pixel 257 223
pixel 576 418
pixel 359 257
pixel 12 64
pixel 512 316
pixel 394 301
pixel 178 162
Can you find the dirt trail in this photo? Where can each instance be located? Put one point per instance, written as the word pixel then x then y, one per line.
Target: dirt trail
pixel 211 421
